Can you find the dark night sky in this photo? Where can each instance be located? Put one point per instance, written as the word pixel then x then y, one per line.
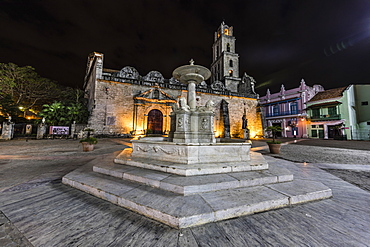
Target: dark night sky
pixel 325 42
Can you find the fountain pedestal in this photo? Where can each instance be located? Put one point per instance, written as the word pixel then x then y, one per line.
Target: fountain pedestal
pixel 189 123
pixel 192 127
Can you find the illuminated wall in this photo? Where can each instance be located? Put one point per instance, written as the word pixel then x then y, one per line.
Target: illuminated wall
pixel 116 112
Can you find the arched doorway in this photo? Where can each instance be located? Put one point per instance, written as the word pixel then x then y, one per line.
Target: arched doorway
pixel 155 122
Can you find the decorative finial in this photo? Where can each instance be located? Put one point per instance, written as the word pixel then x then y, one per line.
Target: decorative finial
pixel 191 62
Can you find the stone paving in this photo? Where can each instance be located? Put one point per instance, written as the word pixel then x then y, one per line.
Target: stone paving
pixel 37 166
pixel 10 235
pixel 33 163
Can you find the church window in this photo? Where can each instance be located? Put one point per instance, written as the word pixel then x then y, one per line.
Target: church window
pixel 231 72
pixel 231 63
pixel 226 31
pixel 156 94
pixel 228 47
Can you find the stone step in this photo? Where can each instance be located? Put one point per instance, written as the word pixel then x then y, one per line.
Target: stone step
pixel 195 184
pixel 256 163
pixel 185 211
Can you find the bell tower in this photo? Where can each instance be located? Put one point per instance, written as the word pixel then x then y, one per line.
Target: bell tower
pixel 225 64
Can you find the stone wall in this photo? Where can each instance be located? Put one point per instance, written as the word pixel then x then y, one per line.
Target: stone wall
pixel 115 111
pixel 236 111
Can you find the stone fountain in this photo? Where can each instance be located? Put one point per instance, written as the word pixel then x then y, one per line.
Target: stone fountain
pixel 191 139
pixel 189 179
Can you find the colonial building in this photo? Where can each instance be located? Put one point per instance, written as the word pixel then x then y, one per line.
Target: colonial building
pixel 125 102
pixel 286 109
pixel 340 113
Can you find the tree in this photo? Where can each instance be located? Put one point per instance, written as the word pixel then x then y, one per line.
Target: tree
pixel 54 113
pixel 26 88
pixel 72 95
pixel 70 109
pixel 274 129
pixel 7 107
pixel 77 112
pixel 75 103
pixel 22 88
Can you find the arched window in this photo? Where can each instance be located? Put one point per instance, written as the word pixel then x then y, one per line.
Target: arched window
pixel 231 72
pixel 228 47
pixel 231 63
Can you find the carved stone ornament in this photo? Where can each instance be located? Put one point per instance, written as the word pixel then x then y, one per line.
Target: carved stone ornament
pixel 159 149
pixel 182 104
pixel 154 76
pixel 155 95
pixel 174 81
pixel 209 107
pixel 179 123
pixel 218 86
pixel 204 124
pixel 203 85
pixel 127 72
pixel 246 87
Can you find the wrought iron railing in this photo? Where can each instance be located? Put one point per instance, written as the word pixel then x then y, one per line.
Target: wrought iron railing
pixel 325 117
pixel 283 113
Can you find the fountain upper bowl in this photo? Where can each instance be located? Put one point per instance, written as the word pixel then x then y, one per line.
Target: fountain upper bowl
pixel 191 73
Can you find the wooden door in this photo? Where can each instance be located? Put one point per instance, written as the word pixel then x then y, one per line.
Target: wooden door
pixel 155 122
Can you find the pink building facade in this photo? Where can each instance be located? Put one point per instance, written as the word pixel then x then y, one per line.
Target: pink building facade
pixel 287 109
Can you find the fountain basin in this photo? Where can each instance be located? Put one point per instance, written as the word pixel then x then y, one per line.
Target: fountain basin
pixel 193 73
pixel 196 78
pixel 191 153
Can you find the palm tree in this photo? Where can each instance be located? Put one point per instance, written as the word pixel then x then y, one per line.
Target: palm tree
pixel 274 129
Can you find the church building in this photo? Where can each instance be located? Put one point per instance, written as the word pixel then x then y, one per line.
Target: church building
pixel 125 102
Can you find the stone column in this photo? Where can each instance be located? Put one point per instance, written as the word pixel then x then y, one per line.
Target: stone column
pixel 73 133
pixel 326 131
pixel 41 131
pixel 225 118
pixel 246 134
pixel 283 127
pixel 8 131
pixel 192 101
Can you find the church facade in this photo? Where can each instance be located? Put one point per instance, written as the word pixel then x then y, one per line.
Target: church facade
pixel 125 102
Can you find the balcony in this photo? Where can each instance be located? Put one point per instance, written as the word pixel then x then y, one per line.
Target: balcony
pixel 325 117
pixel 283 113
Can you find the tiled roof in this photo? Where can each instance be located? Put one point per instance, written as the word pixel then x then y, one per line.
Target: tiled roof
pixel 329 94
